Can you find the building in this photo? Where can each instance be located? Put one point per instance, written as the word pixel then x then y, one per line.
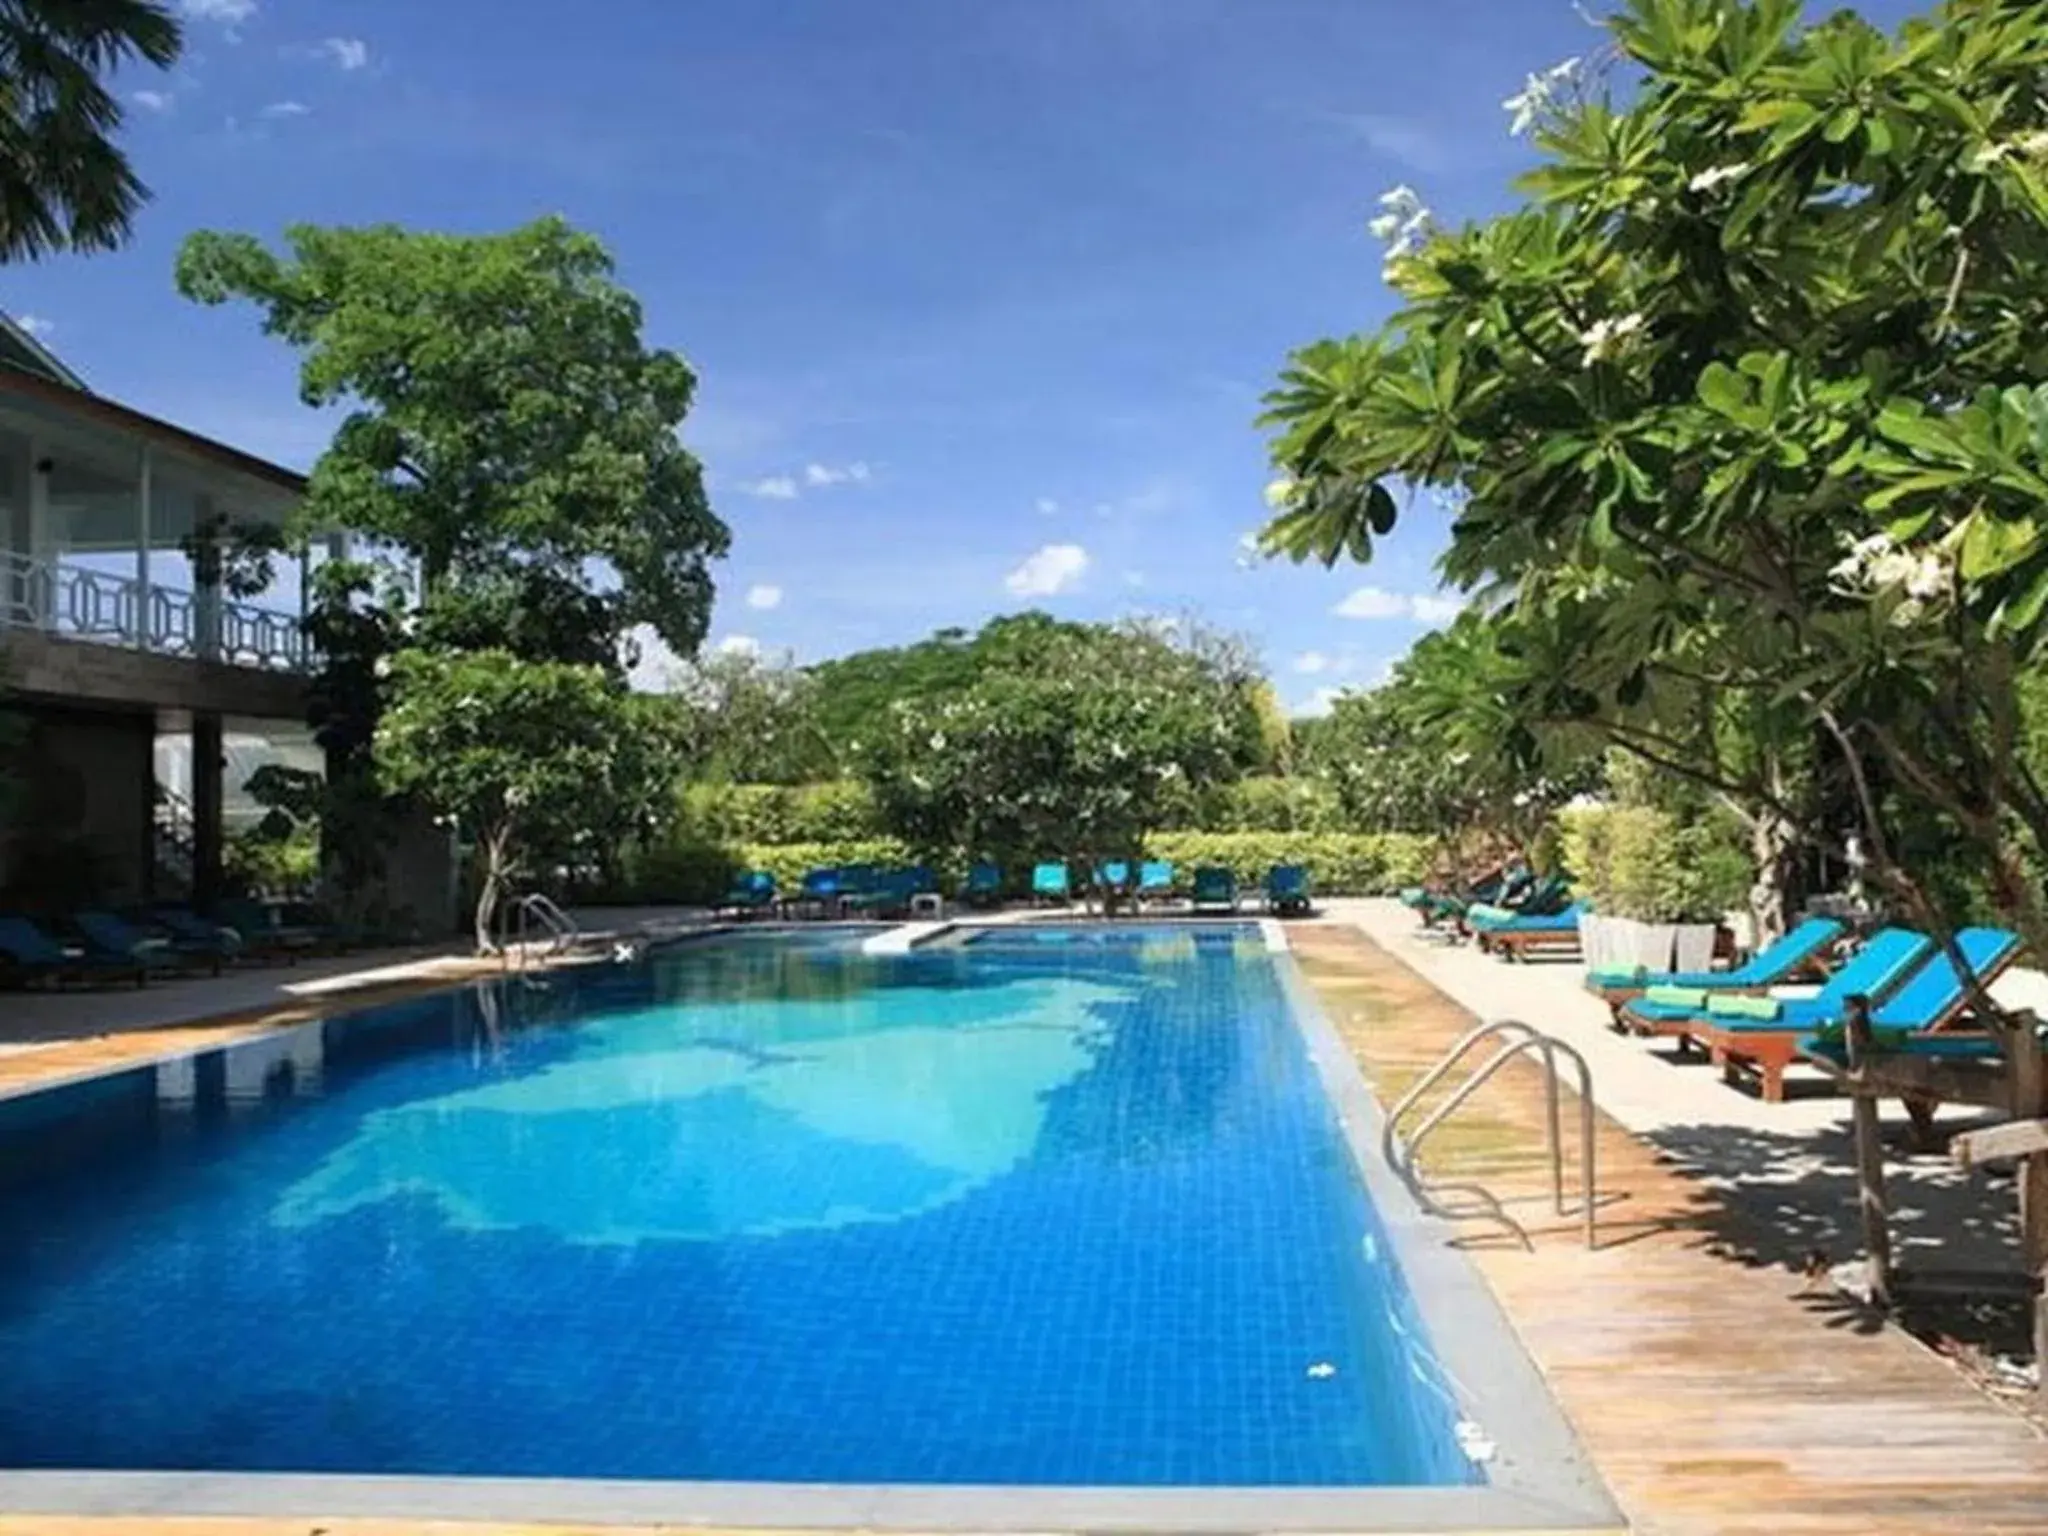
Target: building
pixel 119 650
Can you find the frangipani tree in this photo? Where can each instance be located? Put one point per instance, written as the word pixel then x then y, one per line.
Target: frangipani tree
pixel 1744 409
pixel 1073 747
pixel 1442 749
pixel 530 761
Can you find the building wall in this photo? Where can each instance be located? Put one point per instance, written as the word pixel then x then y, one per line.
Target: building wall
pixel 81 829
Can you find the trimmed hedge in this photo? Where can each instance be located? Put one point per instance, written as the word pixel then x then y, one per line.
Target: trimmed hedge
pixel 698 871
pixel 1339 863
pixel 836 811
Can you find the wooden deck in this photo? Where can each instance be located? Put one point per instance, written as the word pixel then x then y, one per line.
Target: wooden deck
pixel 1715 1395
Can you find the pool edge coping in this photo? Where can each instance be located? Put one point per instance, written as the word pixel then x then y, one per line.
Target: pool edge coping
pixel 1540 1479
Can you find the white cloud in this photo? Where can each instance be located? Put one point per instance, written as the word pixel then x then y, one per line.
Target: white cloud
pixel 764 595
pixel 286 109
pixel 1373 603
pixel 226 11
pixel 1312 662
pixel 1422 607
pixel 820 475
pixel 774 488
pixel 1045 506
pixel 737 645
pixel 349 53
pixel 153 101
pixel 1051 570
pixel 35 325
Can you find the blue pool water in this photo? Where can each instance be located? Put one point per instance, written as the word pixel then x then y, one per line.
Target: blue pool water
pixel 1057 1208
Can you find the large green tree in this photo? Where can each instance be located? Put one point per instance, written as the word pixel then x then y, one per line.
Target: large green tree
pixel 507 431
pixel 65 185
pixel 534 763
pixel 1073 745
pixel 1743 411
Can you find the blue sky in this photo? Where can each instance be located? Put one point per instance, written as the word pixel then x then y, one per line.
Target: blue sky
pixel 982 293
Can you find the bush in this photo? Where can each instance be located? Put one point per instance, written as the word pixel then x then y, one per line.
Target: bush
pixel 695 871
pixel 1647 864
pixel 1339 863
pixel 837 810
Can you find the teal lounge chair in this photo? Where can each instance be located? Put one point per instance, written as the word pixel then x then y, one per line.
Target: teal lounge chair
pixel 29 955
pixel 1506 888
pixel 262 930
pixel 1113 878
pixel 819 892
pixel 1215 887
pixel 184 926
pixel 1155 880
pixel 984 887
pixel 111 938
pixel 1785 960
pixel 1049 883
pixel 1287 890
pixel 1766 1040
pixel 1514 935
pixel 752 890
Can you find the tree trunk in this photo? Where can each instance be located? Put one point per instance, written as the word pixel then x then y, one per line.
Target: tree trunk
pixel 1771 842
pixel 490 852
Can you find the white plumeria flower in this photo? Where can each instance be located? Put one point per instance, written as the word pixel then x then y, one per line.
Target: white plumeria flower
pixel 1538 95
pixel 1402 201
pixel 1385 226
pixel 1283 492
pixel 1605 338
pixel 1711 178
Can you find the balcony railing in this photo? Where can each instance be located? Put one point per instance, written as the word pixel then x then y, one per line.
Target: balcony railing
pixel 80 603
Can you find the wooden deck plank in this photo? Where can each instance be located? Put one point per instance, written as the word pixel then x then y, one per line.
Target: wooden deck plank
pixel 1715 1396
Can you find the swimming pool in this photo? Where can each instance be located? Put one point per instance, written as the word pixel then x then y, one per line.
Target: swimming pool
pixel 1057 1207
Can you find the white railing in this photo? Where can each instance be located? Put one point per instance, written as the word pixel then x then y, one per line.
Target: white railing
pixel 80 603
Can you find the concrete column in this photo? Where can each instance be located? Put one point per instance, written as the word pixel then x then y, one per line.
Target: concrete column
pixel 41 582
pixel 205 582
pixel 208 765
pixel 144 532
pixel 150 883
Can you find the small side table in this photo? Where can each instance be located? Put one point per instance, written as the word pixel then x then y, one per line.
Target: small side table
pixel 926 904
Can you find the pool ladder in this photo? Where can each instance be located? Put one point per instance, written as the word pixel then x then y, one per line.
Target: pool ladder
pixel 1517 1039
pixel 532 912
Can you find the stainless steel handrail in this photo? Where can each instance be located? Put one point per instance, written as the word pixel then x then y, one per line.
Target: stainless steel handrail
pixel 533 909
pixel 1523 1039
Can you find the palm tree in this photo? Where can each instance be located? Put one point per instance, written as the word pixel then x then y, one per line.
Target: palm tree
pixel 64 185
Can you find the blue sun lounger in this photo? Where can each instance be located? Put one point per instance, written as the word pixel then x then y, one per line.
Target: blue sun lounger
pixel 1884 960
pixel 27 954
pixel 1775 964
pixel 1049 883
pixel 1927 1000
pixel 1155 880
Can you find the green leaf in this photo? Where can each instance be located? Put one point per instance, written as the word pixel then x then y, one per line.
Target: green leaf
pixel 1721 389
pixel 1380 510
pixel 1992 545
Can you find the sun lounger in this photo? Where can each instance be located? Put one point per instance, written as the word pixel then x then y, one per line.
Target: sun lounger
pixel 752 890
pixel 1155 880
pixel 1880 963
pixel 115 939
pixel 28 955
pixel 1215 888
pixel 1287 890
pixel 1049 883
pixel 984 886
pixel 1515 935
pixel 1926 1001
pixel 1795 955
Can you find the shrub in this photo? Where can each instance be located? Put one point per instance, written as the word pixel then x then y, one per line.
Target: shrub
pixel 1647 864
pixel 837 810
pixel 1339 863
